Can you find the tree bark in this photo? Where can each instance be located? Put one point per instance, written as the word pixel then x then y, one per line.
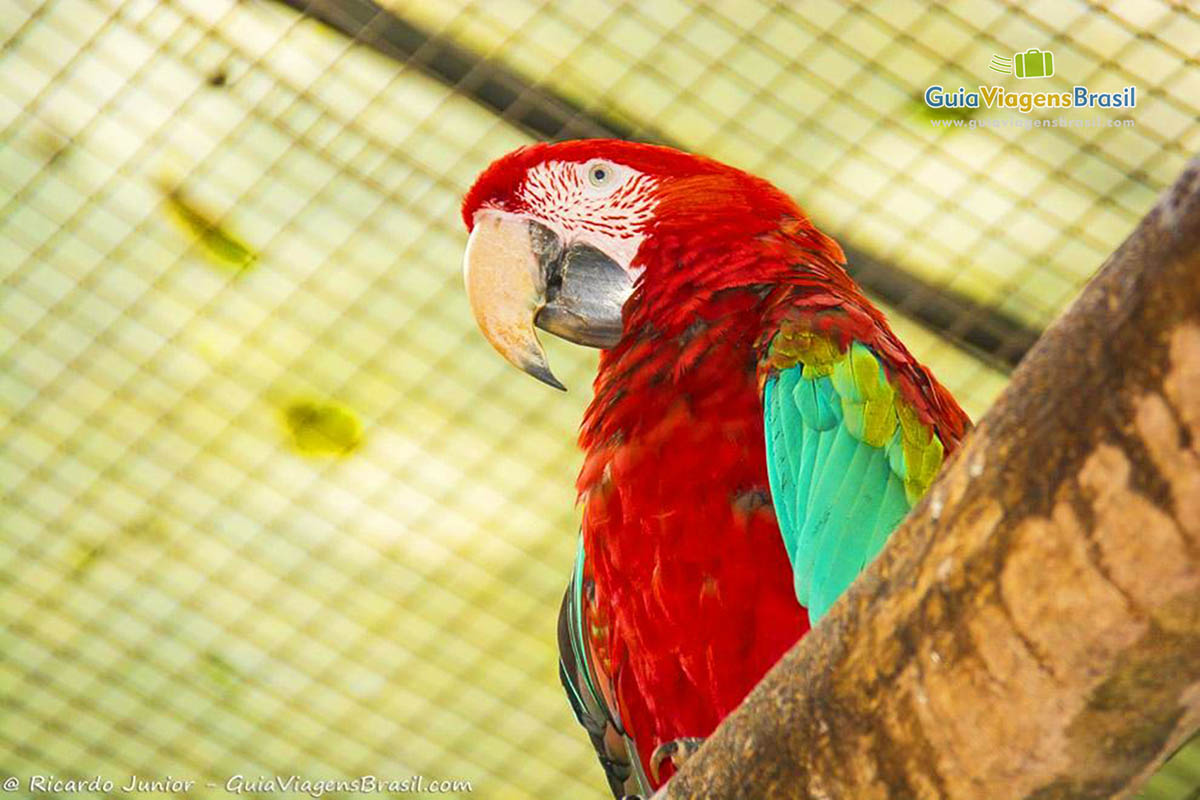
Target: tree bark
pixel 1033 629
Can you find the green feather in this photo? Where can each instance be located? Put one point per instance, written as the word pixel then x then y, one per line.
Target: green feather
pixel 778 467
pixel 847 457
pixel 577 629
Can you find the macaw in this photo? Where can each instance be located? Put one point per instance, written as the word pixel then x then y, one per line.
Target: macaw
pixel 755 434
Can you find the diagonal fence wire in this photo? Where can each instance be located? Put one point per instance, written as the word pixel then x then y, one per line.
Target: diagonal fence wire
pixel 545 115
pixel 289 514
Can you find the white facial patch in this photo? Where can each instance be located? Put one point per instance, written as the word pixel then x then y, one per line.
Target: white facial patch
pixel 597 202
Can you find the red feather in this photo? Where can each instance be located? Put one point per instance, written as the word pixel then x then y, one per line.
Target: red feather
pixel 698 592
pixel 693 596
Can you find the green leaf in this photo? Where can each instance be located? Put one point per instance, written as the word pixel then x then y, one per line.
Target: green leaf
pixel 322 429
pixel 221 246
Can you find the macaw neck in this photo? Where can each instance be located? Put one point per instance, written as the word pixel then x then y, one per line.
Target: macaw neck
pixel 691 382
pixel 678 530
pixel 689 352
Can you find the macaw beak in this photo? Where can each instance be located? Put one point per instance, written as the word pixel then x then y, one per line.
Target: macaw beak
pixel 518 275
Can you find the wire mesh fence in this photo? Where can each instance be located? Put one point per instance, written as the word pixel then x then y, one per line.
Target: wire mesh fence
pixel 272 507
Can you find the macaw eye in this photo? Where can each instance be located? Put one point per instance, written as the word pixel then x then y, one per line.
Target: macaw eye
pixel 600 174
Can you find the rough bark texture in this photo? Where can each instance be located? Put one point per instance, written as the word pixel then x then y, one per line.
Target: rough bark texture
pixel 1033 629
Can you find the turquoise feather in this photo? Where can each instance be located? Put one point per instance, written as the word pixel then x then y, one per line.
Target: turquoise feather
pixel 777 474
pixel 837 467
pixel 579 675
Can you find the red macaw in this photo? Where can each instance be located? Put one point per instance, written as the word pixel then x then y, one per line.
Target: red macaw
pixel 756 433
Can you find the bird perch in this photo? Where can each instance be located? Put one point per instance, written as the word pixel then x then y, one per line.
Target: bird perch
pixel 1033 629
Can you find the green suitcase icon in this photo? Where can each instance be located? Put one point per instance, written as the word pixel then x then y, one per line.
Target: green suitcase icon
pixel 1033 63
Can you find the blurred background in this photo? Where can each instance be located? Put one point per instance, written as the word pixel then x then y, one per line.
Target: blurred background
pixel 272 505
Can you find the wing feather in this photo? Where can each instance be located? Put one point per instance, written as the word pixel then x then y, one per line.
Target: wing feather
pixel 584 684
pixel 847 458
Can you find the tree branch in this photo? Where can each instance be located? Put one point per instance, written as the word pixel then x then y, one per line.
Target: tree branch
pixel 1033 629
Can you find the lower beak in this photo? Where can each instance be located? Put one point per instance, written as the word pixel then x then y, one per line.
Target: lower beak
pixel 519 275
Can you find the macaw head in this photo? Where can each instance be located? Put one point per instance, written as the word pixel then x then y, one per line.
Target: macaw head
pixel 558 236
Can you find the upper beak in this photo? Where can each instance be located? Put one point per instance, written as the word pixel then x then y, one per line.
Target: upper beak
pixel 519 275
